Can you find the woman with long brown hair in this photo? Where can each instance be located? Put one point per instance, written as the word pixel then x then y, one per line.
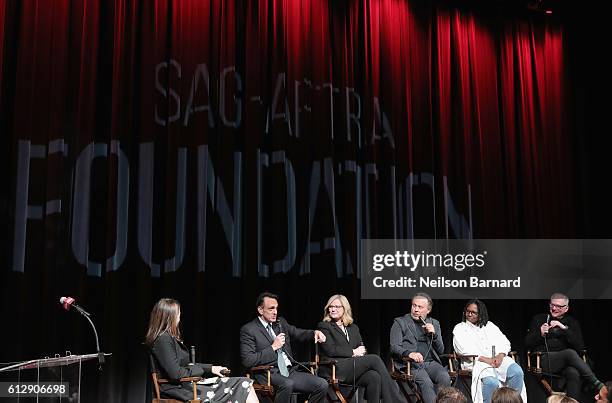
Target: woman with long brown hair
pixel 171 360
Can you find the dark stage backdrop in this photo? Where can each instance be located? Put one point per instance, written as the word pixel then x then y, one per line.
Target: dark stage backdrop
pixel 209 150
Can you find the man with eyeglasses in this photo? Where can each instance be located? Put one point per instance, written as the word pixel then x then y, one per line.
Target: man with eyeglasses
pixel 418 337
pixel 559 337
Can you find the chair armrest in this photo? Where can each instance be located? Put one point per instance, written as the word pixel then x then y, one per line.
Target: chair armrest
pixel 329 362
pixel 538 358
pixel 466 356
pixel 407 360
pixel 261 368
pixel 307 363
pixel 451 367
pixel 192 379
pixel 455 358
pixel 188 379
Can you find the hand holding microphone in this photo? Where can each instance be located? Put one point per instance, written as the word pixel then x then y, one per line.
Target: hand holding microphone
pixel 428 327
pixel 279 341
pixel 545 327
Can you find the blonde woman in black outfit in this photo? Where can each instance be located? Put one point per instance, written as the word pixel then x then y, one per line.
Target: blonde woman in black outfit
pixel 171 359
pixel 343 343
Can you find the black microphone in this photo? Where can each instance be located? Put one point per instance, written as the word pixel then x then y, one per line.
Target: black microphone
pixel 547 322
pixel 280 330
pixel 192 355
pixel 425 323
pixel 67 302
pixel 492 351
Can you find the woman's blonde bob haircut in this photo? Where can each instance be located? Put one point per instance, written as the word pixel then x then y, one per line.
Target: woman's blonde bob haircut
pixel 347 316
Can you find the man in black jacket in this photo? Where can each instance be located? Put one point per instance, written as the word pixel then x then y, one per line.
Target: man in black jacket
pixel 267 341
pixel 560 335
pixel 418 336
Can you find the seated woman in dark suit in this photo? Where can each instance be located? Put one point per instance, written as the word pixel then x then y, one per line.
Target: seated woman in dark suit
pixel 171 359
pixel 343 343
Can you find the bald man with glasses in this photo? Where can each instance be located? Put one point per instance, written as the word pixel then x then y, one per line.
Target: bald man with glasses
pixel 559 337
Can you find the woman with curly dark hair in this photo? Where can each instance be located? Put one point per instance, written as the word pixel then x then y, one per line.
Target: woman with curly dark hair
pixel 492 368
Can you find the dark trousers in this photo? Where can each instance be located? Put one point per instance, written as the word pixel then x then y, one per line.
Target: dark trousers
pixel 301 382
pixel 371 374
pixel 573 368
pixel 426 375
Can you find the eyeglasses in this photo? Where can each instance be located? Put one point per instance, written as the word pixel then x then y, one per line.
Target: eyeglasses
pixel 474 313
pixel 555 306
pixel 336 307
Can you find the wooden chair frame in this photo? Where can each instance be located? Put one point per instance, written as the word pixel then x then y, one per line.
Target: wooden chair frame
pixel 263 390
pixel 545 378
pixel 456 373
pixel 266 390
pixel 158 381
pixel 333 381
pixel 406 377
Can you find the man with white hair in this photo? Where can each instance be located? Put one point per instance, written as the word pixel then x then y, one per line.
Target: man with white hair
pixel 418 337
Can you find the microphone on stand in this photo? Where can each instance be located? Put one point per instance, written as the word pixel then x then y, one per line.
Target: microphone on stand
pixel 68 302
pixel 192 355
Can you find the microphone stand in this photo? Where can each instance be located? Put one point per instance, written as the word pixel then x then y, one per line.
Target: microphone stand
pixel 547 351
pixel 101 359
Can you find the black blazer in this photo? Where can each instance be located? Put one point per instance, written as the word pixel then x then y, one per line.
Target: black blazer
pixel 403 339
pixel 170 358
pixel 337 347
pixel 256 342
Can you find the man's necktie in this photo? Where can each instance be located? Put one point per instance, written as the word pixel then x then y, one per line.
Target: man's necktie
pixel 282 366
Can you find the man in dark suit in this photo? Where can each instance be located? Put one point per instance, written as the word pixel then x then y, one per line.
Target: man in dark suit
pixel 267 341
pixel 418 337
